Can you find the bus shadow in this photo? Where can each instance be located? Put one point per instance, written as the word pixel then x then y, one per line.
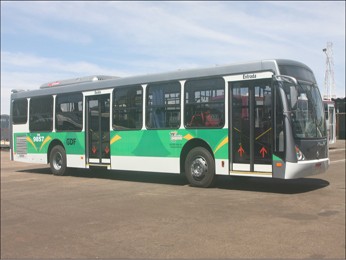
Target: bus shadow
pixel 279 186
pixel 265 185
pixel 130 176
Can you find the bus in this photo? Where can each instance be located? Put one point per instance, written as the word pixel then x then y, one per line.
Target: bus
pixel 258 119
pixel 5 131
pixel 330 114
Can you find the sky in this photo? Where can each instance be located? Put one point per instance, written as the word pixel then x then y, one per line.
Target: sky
pixel 51 40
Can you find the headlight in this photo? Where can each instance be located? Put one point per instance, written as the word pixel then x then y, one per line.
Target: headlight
pixel 299 154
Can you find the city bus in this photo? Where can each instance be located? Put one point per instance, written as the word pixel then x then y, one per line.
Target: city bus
pixel 257 119
pixel 5 131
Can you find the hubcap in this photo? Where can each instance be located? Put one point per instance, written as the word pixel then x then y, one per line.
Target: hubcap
pixel 57 161
pixel 199 168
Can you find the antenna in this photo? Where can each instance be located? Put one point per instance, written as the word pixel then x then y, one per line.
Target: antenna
pixel 329 83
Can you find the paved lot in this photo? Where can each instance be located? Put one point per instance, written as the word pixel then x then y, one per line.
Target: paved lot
pixel 136 215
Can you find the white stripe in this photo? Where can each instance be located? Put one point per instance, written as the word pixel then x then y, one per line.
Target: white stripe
pixel 106 160
pixel 142 163
pixel 219 169
pixel 31 158
pixel 75 160
pixel 241 167
pixel 251 174
pixel 263 168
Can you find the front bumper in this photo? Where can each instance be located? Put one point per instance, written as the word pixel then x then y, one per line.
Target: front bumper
pixel 306 168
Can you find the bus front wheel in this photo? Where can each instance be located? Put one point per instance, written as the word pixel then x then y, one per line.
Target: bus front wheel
pixel 57 160
pixel 200 167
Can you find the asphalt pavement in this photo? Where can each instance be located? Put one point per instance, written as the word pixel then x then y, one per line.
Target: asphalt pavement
pixel 104 214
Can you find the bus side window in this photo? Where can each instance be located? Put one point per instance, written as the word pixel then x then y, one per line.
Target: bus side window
pixel 163 105
pixel 127 108
pixel 69 112
pixel 205 103
pixel 20 111
pixel 41 114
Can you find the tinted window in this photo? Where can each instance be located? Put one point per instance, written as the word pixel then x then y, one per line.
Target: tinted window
pixel 297 72
pixel 69 112
pixel 127 108
pixel 205 103
pixel 41 114
pixel 20 111
pixel 163 105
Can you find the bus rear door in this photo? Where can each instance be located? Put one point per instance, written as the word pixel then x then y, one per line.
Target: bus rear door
pixel 98 129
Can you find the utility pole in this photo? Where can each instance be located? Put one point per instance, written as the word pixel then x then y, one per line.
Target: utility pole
pixel 329 83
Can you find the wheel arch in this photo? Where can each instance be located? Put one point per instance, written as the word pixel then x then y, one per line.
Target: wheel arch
pixel 195 142
pixel 52 144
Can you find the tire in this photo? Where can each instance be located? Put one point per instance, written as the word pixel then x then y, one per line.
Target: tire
pixel 200 167
pixel 57 160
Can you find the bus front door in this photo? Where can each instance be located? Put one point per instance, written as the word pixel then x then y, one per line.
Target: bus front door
pixel 98 125
pixel 251 132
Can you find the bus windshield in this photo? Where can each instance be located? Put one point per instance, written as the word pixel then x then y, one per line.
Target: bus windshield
pixel 307 113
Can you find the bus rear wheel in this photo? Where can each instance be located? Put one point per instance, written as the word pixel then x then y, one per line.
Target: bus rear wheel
pixel 57 160
pixel 200 167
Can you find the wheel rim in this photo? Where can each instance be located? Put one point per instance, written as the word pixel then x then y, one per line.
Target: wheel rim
pixel 199 168
pixel 57 161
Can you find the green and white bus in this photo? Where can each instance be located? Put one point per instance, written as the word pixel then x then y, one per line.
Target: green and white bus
pixel 262 119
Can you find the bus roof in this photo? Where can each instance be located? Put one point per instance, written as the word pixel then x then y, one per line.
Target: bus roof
pixel 88 84
pixel 64 82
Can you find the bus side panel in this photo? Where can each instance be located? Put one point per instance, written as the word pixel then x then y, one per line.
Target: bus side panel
pixel 161 149
pixel 34 147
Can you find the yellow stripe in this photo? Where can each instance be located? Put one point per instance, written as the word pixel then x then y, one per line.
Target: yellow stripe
pixel 237 129
pixel 263 134
pixel 188 137
pixel 31 142
pixel 47 139
pixel 115 138
pixel 224 141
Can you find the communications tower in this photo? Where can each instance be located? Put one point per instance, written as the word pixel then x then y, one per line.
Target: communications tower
pixel 329 83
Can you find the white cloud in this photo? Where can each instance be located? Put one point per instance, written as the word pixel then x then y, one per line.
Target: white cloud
pixel 28 72
pixel 29 62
